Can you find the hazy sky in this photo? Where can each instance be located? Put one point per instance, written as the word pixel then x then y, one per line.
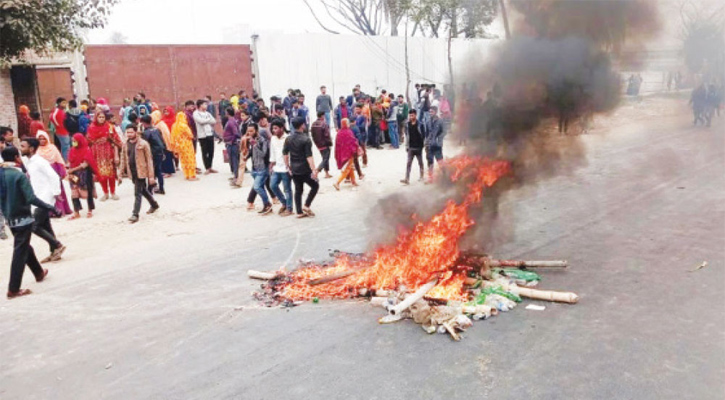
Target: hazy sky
pixel 203 21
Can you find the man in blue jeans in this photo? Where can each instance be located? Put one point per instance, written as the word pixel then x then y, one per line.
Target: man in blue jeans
pixel 434 141
pixel 278 168
pixel 259 152
pixel 392 120
pixel 158 149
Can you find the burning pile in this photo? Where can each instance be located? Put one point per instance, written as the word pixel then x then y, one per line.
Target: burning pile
pixel 424 274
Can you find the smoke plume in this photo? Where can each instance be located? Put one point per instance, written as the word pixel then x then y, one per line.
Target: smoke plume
pixel 533 98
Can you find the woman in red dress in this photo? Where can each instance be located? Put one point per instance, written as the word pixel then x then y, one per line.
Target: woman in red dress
pixel 102 139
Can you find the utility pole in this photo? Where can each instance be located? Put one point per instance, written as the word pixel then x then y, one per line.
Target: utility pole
pixel 256 81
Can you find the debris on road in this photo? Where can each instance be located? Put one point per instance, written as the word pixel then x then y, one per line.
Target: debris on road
pixel 699 267
pixel 535 307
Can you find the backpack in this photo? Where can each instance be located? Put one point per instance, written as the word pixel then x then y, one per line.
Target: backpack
pixel 72 123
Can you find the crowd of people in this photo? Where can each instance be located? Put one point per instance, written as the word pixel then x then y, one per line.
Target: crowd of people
pixel 87 143
pixel 706 102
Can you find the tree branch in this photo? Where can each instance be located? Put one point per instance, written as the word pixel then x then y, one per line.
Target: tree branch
pixel 318 20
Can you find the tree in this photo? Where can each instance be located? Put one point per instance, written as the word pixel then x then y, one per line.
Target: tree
pixel 366 17
pixel 117 38
pixel 44 26
pixel 703 38
pixel 453 18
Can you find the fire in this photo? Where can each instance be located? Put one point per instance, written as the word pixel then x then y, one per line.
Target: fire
pixel 428 251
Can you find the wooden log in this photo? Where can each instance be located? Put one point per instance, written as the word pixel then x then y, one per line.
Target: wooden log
pixel 266 276
pixel 336 276
pixel 548 295
pixel 405 304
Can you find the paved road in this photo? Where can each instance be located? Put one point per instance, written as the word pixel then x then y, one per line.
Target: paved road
pixel 158 320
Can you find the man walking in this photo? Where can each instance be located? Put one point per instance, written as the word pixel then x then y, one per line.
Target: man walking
pixel 138 164
pixel 232 139
pixel 415 143
pixel 278 168
pixel 16 197
pixel 205 132
pixel 153 137
pixel 361 133
pixel 46 186
pixel 321 136
pixel 434 140
pixel 324 104
pixel 259 148
pixel 298 158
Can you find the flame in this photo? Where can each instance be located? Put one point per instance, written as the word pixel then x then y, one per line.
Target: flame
pixel 427 251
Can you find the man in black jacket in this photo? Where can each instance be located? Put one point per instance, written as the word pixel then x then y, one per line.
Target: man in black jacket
pixel 158 149
pixel 415 144
pixel 16 197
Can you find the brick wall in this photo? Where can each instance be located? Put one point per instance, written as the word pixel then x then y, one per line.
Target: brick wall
pixel 8 117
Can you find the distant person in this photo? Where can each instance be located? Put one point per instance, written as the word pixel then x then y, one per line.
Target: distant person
pixel 320 131
pixel 392 121
pixel 46 186
pixel 51 154
pixel 74 119
pixel 324 104
pixel 189 108
pixel 104 142
pixel 223 105
pixel 138 164
pixel 82 171
pixel 167 164
pixel 153 138
pixel 24 122
pixel 183 145
pixel 402 113
pixel 7 135
pixel 259 153
pixel 434 141
pixel 16 197
pixel 205 134
pixel 232 140
pixel 303 111
pixel 57 120
pixel 299 160
pixel 346 148
pixel 414 145
pixel 361 134
pixel 277 165
pixel 211 107
pixel 342 111
pixel 36 124
pixel 698 100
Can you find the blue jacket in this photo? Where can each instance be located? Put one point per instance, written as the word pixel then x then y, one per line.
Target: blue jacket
pixel 435 133
pixel 360 130
pixel 338 115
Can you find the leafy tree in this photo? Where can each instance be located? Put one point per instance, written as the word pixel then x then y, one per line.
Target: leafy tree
pixel 45 26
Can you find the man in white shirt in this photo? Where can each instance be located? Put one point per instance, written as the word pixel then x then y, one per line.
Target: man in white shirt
pixel 278 168
pixel 205 133
pixel 46 186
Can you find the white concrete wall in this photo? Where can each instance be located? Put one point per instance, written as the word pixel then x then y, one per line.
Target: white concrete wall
pixel 340 61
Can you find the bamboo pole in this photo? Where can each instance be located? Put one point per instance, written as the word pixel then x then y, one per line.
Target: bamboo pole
pixel 422 291
pixel 266 276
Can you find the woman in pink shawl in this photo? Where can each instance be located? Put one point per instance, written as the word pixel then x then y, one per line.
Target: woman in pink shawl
pixel 346 148
pixel 48 151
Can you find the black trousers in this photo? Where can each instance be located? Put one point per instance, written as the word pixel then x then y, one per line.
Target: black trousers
pixel 253 193
pixel 23 254
pixel 158 160
pixel 300 181
pixel 141 190
pixel 207 151
pixel 89 185
pixel 414 153
pixel 44 229
pixel 325 164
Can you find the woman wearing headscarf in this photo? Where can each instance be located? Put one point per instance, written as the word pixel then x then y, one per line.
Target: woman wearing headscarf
pixel 24 122
pixel 183 144
pixel 82 168
pixel 167 166
pixel 169 118
pixel 346 148
pixel 51 154
pixel 103 143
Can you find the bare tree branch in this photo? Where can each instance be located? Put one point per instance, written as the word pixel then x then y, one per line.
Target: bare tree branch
pixel 318 20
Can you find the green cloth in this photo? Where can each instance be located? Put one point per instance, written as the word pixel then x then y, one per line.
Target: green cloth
pixel 16 197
